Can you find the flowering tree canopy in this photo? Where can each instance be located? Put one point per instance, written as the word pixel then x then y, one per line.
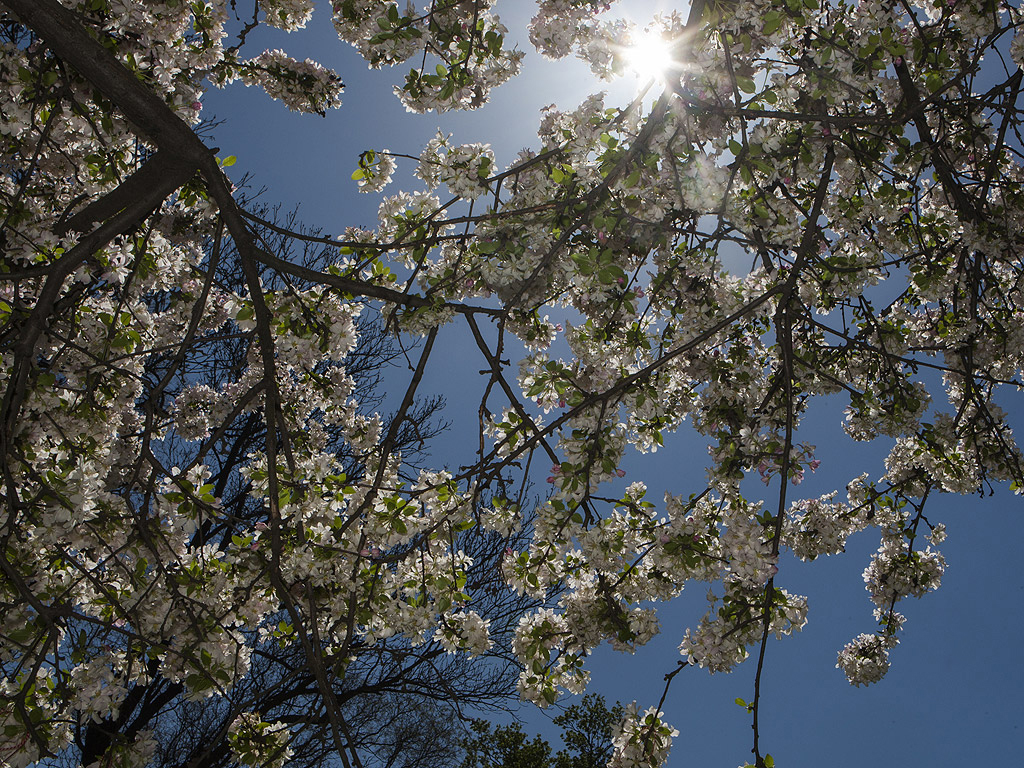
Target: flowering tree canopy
pixel 823 200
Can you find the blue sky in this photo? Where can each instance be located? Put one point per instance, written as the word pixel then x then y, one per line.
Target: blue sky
pixel 953 695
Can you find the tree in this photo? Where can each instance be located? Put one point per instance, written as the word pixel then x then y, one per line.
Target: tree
pixel 587 732
pixel 506 747
pixel 863 160
pixel 396 699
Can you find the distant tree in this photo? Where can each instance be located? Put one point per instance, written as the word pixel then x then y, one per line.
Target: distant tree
pixel 505 746
pixel 587 732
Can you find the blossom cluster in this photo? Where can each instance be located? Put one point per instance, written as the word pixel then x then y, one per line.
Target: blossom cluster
pixel 256 743
pixel 303 86
pixel 865 659
pixel 287 14
pixel 641 739
pixel 466 38
pixel 464 169
pixel 374 171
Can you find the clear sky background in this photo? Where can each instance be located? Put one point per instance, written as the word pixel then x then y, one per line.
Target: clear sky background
pixel 954 694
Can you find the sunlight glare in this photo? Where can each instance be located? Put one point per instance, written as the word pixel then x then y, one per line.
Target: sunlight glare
pixel 650 56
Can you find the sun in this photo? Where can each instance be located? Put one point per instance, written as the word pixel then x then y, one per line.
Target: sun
pixel 650 56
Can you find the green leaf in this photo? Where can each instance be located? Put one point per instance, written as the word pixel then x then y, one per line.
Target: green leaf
pixel 745 84
pixel 772 22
